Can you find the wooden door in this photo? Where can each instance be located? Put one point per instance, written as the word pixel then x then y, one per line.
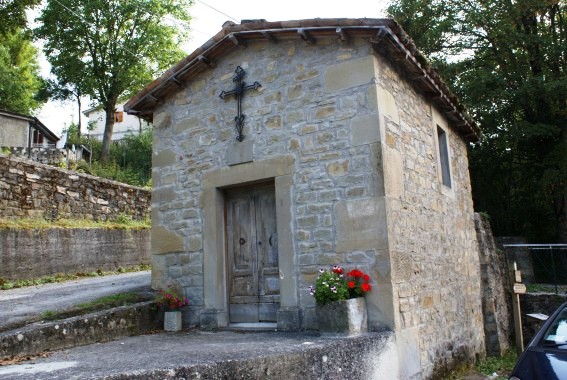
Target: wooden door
pixel 254 289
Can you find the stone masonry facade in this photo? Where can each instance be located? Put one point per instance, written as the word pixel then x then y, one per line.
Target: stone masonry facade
pixel 355 148
pixel 431 234
pixel 30 189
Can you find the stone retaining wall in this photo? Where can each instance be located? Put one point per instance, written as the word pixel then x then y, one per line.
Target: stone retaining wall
pixel 41 252
pixel 545 303
pixel 496 301
pixel 29 189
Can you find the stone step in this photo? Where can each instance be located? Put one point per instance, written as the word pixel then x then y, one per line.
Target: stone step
pixel 101 326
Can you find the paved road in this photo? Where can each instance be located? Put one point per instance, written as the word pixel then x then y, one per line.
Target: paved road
pixel 22 304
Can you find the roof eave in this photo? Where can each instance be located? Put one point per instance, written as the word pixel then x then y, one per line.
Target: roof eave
pixel 385 34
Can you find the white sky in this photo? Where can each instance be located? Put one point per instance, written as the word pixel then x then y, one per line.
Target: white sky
pixel 207 22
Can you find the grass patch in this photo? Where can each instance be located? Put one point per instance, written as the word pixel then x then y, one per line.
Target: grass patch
pixel 5 284
pixel 546 288
pixel 103 303
pixel 49 315
pixel 107 302
pixel 122 222
pixel 501 365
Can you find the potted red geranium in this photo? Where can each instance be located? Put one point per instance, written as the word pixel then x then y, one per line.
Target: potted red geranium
pixel 171 301
pixel 341 306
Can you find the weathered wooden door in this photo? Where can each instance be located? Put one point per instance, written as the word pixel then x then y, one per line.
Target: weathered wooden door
pixel 252 254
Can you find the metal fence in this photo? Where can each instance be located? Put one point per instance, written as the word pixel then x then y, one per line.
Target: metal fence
pixel 548 262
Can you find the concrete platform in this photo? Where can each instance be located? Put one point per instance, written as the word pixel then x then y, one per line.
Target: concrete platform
pixel 220 355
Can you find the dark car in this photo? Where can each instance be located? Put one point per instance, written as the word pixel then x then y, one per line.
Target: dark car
pixel 545 358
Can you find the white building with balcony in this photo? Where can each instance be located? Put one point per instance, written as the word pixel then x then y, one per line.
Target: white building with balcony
pixel 123 123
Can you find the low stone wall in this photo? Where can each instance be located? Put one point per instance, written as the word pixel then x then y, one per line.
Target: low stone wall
pixel 496 301
pixel 41 252
pixel 43 155
pixel 30 189
pixel 545 303
pixel 102 326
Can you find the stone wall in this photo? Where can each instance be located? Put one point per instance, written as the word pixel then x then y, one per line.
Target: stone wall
pixel 29 189
pixel 434 254
pixel 496 297
pixel 352 151
pixel 42 252
pixel 43 155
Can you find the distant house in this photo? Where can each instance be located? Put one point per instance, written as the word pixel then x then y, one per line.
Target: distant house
pixel 123 123
pixel 23 131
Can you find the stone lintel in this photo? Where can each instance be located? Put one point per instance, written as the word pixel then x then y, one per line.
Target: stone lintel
pixel 249 172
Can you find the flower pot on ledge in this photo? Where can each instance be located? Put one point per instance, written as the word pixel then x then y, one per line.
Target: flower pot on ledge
pixel 172 320
pixel 343 317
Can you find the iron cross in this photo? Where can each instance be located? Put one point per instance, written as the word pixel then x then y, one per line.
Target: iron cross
pixel 238 92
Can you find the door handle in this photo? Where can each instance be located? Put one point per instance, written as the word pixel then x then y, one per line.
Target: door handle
pixel 270 240
pixel 242 241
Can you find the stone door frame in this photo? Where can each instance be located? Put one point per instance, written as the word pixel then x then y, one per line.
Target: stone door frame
pixel 279 170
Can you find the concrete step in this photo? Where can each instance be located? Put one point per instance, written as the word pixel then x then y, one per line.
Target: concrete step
pixel 101 326
pixel 221 355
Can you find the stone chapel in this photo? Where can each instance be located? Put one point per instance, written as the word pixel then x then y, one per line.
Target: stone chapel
pixel 284 147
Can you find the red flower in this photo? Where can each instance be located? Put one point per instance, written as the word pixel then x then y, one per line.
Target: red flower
pixel 351 284
pixel 366 278
pixel 355 273
pixel 337 269
pixel 365 287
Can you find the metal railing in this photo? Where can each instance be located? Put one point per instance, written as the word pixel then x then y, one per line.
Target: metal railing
pixel 548 261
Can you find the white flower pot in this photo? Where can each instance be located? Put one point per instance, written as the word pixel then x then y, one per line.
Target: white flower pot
pixel 172 321
pixel 343 317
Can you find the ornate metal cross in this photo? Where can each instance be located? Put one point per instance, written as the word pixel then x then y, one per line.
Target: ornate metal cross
pixel 238 92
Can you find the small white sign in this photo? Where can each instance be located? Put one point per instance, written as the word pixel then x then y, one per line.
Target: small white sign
pixel 519 288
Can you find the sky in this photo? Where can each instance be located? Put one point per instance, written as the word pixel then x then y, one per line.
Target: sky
pixel 207 19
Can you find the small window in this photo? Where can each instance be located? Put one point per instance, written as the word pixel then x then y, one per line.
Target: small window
pixel 118 116
pixel 444 156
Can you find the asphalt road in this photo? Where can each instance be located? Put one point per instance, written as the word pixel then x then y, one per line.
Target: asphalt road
pixel 24 304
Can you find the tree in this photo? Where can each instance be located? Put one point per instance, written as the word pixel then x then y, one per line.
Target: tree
pixel 21 83
pixel 506 60
pixel 63 90
pixel 13 14
pixel 115 46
